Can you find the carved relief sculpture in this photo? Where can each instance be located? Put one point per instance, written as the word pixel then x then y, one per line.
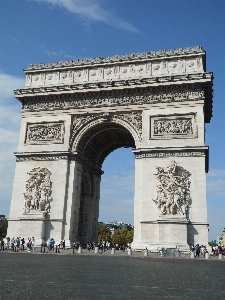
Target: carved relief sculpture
pixel 173 190
pixel 42 133
pixel 182 126
pixel 38 191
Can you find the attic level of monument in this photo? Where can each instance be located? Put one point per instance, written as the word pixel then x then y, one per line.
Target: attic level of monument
pixel 75 113
pixel 153 55
pixel 136 79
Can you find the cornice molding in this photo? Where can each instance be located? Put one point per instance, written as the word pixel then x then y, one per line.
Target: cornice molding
pixel 152 81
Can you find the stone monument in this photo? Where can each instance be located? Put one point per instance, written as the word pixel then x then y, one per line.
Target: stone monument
pixel 75 113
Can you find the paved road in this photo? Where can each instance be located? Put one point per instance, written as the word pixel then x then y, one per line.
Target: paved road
pixel 105 276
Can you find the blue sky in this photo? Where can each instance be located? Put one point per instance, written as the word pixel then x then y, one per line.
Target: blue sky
pixel 35 31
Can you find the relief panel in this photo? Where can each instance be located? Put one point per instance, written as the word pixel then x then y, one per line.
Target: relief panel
pixel 173 126
pixel 45 133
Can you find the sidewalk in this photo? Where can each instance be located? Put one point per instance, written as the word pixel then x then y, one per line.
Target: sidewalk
pixel 118 253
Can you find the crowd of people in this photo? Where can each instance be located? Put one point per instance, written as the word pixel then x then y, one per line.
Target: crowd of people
pixel 17 244
pixel 200 250
pixel 20 244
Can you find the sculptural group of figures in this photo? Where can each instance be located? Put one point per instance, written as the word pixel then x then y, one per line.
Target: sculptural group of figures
pixel 173 195
pixel 38 191
pixel 182 126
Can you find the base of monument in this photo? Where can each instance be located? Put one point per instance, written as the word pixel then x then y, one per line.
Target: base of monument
pixel 168 231
pixel 158 247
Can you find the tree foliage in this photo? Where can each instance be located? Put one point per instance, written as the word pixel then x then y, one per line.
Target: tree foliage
pixel 104 233
pixel 122 236
pixel 211 244
pixel 3 228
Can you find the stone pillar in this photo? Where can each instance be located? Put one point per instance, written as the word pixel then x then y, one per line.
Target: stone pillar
pixel 113 251
pixel 96 250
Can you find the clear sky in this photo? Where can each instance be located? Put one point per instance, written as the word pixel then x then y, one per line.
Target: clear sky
pixel 37 31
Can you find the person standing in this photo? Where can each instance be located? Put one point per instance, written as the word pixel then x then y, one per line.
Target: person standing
pixel 32 243
pixel 12 244
pixel 17 245
pixel 22 244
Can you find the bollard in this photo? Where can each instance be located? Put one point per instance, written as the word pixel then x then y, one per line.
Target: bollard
pixel 44 248
pixel 162 252
pixel 113 251
pixel 80 249
pixel 41 247
pixel 96 249
pixel 146 252
pixel 129 251
pixel 220 256
pixel 207 255
pixel 56 249
pixel 192 255
pixel 177 254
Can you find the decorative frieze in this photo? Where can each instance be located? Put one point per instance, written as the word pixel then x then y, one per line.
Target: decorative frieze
pixel 173 126
pixel 109 83
pixel 45 133
pixel 174 153
pixel 40 157
pixel 173 190
pixel 116 100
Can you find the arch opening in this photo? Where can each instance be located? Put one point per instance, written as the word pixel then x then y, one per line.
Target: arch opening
pixel 94 146
pixel 102 139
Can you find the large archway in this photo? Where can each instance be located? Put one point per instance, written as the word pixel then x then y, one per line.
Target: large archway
pixel 92 144
pixel 75 113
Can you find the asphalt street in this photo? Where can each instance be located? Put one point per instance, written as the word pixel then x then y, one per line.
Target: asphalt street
pixel 67 276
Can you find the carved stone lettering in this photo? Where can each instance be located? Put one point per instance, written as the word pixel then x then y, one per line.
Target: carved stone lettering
pixel 44 133
pixel 38 191
pixel 173 190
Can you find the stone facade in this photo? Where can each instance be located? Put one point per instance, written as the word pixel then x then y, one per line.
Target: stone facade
pixel 74 114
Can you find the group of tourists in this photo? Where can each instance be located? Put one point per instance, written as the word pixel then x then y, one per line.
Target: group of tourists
pixel 17 244
pixel 51 245
pixel 216 250
pixel 202 250
pixel 103 246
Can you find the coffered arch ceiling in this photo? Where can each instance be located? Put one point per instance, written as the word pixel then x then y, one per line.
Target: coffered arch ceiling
pixel 99 141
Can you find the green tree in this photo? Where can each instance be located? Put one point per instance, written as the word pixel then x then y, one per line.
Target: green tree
pixel 211 244
pixel 122 236
pixel 3 228
pixel 130 236
pixel 104 233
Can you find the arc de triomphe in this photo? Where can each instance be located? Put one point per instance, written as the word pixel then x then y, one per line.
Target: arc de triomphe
pixel 75 113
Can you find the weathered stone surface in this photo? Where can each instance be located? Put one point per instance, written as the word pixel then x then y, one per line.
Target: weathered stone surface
pixel 75 113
